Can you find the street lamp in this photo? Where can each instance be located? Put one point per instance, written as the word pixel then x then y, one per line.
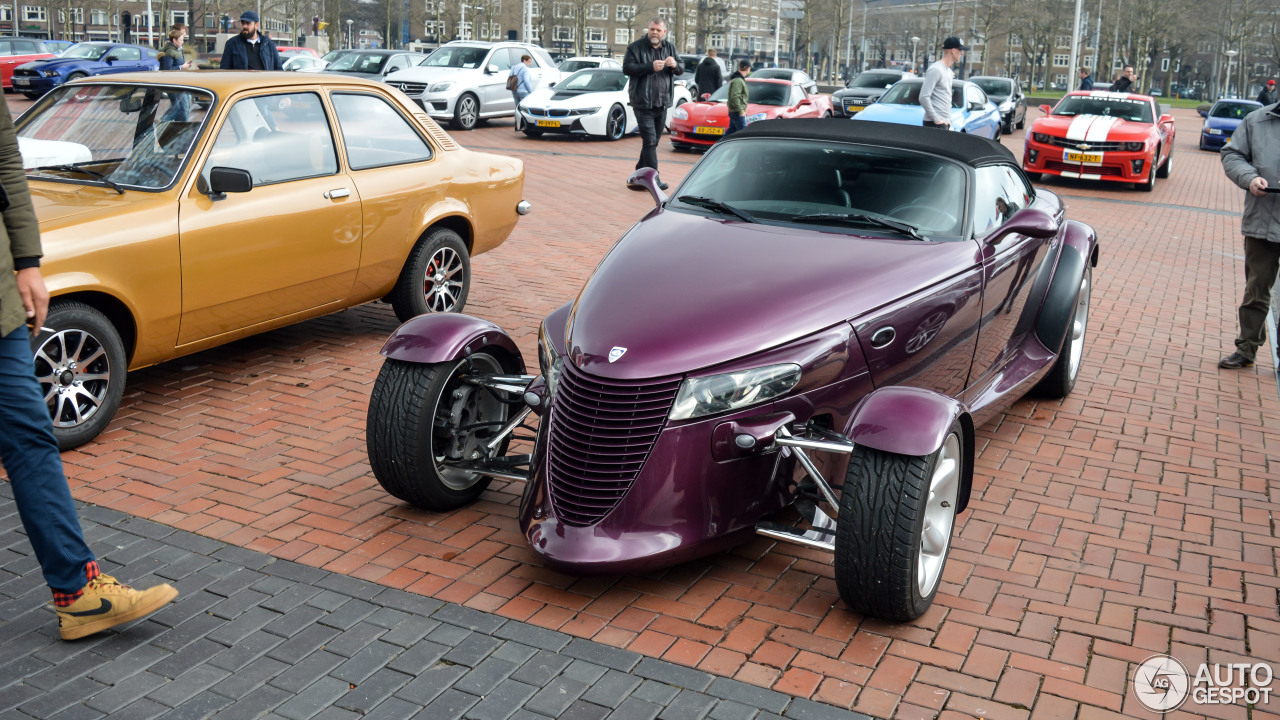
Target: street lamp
pixel 463 22
pixel 351 38
pixel 914 40
pixel 1231 56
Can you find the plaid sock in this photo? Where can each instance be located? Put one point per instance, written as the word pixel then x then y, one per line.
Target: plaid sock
pixel 91 572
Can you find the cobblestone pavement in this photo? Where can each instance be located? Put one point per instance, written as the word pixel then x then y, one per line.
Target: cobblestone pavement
pixel 1131 519
pixel 255 636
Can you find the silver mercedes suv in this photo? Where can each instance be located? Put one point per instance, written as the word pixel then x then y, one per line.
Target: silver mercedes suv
pixel 465 81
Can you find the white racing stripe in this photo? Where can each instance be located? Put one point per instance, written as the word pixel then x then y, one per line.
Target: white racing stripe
pixel 1099 130
pixel 1079 126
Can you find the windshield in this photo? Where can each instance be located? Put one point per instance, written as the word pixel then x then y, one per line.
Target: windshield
pixel 86 51
pixel 874 80
pixel 359 63
pixel 759 93
pixel 994 87
pixel 1123 108
pixel 136 135
pixel 773 74
pixel 334 55
pixel 1233 111
pixel 457 57
pixel 777 180
pixel 569 66
pixel 908 93
pixel 690 63
pixel 593 80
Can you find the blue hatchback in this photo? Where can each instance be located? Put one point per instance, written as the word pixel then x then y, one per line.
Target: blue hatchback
pixel 971 110
pixel 38 77
pixel 1221 120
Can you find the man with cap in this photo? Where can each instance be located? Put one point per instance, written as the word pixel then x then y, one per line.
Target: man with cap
pixel 250 50
pixel 1268 94
pixel 935 94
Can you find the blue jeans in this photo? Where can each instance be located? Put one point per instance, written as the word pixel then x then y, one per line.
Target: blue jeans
pixel 29 455
pixel 737 122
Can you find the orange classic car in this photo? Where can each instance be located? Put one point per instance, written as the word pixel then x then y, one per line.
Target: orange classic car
pixel 180 211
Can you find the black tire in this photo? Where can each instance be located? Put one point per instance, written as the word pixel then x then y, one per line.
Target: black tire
pixel 615 125
pixel 438 260
pixel 1152 173
pixel 1023 122
pixel 76 76
pixel 32 95
pixel 413 410
pixel 85 396
pixel 826 115
pixel 1066 369
pixel 884 505
pixel 466 112
pixel 1032 176
pixel 1007 127
pixel 1166 168
pixel 532 132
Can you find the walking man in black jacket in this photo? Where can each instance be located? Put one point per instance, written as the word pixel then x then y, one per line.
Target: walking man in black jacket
pixel 652 65
pixel 708 77
pixel 250 50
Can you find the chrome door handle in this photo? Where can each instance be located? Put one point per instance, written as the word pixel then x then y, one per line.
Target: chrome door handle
pixel 339 193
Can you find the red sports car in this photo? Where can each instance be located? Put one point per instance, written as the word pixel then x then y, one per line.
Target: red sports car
pixel 1095 135
pixel 702 123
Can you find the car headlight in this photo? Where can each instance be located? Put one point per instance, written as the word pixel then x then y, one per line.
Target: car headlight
pixel 49 73
pixel 1040 138
pixel 440 86
pixel 755 117
pixel 588 111
pixel 549 361
pixel 1006 106
pixel 714 394
pixel 1134 146
pixel 679 114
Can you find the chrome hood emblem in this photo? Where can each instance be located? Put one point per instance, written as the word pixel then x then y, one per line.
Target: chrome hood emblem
pixel 616 353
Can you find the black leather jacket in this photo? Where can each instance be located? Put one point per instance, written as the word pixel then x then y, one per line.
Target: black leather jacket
pixel 638 65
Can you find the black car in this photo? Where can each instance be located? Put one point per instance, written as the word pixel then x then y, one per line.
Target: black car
pixel 863 90
pixel 1008 96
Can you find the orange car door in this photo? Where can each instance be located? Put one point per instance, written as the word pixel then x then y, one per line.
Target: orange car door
pixel 288 246
pixel 393 167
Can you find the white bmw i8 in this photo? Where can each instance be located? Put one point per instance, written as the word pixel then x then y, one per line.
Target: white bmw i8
pixel 589 102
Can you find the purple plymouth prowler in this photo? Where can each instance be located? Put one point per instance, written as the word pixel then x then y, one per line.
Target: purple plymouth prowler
pixel 819 317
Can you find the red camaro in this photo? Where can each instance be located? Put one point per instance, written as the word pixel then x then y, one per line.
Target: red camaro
pixel 1097 135
pixel 700 124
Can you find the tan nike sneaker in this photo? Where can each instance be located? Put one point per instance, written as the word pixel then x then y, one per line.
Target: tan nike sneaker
pixel 106 603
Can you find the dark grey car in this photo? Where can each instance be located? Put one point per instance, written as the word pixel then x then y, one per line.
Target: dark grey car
pixel 864 90
pixel 1008 96
pixel 374 64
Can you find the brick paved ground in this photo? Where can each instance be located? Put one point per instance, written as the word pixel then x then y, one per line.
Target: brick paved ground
pixel 1133 518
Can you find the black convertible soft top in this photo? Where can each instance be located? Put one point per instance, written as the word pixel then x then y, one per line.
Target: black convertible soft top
pixel 963 147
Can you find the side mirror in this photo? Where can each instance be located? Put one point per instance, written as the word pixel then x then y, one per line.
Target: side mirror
pixel 803 102
pixel 551 84
pixel 1031 222
pixel 1046 109
pixel 975 105
pixel 1203 113
pixel 223 180
pixel 110 59
pixel 491 69
pixel 1166 118
pixel 705 96
pixel 648 178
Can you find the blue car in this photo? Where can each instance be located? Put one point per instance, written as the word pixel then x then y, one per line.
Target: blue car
pixel 1221 120
pixel 971 111
pixel 38 77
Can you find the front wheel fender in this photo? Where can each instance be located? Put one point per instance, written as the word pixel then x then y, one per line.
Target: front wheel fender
pixel 446 337
pixel 914 422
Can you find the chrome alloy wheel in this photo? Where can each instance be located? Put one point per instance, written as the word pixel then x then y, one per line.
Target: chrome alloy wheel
pixel 939 516
pixel 467 111
pixel 443 282
pixel 74 372
pixel 616 123
pixel 1079 324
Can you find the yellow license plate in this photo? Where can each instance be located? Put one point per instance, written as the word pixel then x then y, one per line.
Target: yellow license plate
pixel 548 123
pixel 1084 157
pixel 708 131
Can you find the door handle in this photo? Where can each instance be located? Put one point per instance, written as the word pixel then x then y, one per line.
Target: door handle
pixel 339 193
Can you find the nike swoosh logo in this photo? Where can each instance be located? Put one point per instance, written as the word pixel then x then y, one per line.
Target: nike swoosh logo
pixel 102 609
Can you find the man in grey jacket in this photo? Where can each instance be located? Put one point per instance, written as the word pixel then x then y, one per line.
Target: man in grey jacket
pixel 935 93
pixel 1252 161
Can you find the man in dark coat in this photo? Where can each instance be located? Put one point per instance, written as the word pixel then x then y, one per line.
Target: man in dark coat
pixel 652 64
pixel 1268 94
pixel 1126 83
pixel 1086 80
pixel 250 50
pixel 708 77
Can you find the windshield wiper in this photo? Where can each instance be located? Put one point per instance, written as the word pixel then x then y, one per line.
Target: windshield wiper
pixel 91 173
pixel 888 223
pixel 717 206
